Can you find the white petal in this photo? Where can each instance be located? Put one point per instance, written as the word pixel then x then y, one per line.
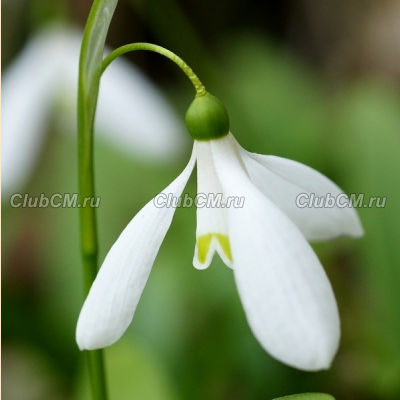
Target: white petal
pixel 283 180
pixel 28 90
pixel 212 228
pixel 115 293
pixel 285 292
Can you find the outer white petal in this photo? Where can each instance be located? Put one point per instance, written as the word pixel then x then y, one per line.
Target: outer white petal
pixel 28 89
pixel 115 293
pixel 211 217
pixel 285 292
pixel 283 180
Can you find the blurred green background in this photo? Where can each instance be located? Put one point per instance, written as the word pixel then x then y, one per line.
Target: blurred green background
pixel 314 81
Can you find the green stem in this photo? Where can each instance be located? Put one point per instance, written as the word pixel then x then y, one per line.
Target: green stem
pixel 88 230
pixel 89 80
pixel 89 246
pixel 97 375
pixel 200 89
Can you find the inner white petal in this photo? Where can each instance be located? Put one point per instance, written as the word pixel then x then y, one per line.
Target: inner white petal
pixel 212 229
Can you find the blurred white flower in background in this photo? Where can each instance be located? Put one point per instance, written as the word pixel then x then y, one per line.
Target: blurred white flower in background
pixel 41 86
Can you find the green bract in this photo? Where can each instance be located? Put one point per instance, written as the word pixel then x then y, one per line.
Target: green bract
pixel 207 118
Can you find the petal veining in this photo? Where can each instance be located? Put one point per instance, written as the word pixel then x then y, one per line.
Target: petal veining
pixel 115 293
pixel 286 295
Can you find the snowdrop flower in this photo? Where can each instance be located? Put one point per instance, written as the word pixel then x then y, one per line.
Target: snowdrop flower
pixel 45 76
pixel 286 295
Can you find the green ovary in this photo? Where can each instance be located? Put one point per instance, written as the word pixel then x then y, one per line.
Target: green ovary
pixel 204 242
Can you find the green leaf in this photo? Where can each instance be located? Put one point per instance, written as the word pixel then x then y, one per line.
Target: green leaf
pixel 92 49
pixel 90 62
pixel 308 396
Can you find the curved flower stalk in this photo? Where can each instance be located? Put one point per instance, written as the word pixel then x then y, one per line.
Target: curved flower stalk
pixel 42 81
pixel 286 295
